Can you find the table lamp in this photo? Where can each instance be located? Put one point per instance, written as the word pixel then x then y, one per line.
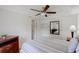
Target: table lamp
pixel 72 29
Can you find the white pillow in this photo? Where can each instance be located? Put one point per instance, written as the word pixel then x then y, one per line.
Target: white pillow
pixel 77 49
pixel 73 45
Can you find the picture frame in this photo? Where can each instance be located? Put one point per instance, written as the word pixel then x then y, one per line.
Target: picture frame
pixel 55 27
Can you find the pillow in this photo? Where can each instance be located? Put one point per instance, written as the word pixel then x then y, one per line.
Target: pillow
pixel 77 49
pixel 73 45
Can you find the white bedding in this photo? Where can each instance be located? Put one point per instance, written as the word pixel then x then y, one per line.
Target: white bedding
pixel 45 46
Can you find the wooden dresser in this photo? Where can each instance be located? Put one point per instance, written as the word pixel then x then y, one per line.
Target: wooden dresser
pixel 10 44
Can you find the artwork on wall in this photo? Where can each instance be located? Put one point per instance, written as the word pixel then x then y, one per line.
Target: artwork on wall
pixel 55 27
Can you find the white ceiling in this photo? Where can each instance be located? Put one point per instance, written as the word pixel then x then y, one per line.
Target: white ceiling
pixel 25 9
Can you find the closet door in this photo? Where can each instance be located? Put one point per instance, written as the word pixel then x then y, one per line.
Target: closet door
pixel 34 29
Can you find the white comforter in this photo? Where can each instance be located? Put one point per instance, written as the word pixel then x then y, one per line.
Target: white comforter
pixel 44 46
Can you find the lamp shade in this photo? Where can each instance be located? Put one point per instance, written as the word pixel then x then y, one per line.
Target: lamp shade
pixel 72 28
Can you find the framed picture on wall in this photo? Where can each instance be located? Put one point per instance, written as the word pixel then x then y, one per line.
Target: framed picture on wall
pixel 55 27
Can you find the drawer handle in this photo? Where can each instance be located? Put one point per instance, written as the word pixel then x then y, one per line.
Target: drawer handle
pixel 7 48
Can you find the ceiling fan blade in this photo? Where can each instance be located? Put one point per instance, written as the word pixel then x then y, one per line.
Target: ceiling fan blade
pixel 46 7
pixel 51 12
pixel 35 10
pixel 38 14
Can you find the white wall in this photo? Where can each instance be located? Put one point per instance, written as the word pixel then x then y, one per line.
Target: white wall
pixel 43 25
pixel 78 21
pixel 15 24
pixel 75 11
pixel 66 23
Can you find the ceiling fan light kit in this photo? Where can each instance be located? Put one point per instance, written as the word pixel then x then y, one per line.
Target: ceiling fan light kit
pixel 42 13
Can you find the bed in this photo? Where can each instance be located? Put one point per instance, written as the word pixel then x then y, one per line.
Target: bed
pixel 45 46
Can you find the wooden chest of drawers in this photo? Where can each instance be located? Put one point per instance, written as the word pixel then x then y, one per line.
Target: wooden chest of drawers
pixel 9 45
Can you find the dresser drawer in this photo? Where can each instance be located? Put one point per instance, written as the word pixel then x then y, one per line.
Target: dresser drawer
pixel 5 48
pixel 14 47
pixel 10 48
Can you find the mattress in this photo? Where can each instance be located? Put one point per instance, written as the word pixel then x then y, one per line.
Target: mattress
pixel 45 46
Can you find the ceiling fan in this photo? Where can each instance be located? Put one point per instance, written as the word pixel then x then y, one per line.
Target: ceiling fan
pixel 44 11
